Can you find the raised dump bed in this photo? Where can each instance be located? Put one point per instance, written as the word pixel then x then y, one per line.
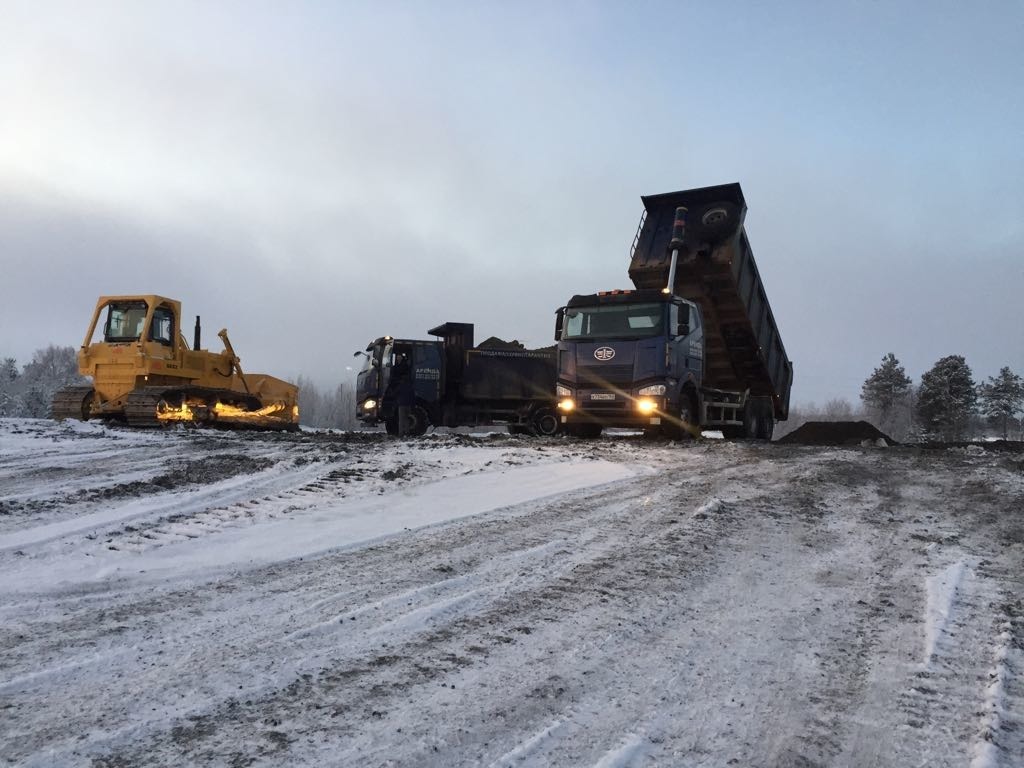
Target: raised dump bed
pixel 716 269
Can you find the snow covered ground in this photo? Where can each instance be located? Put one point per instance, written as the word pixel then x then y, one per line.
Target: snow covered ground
pixel 207 598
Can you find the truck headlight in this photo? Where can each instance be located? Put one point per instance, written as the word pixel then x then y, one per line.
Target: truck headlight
pixel 646 405
pixel 653 389
pixel 567 404
pixel 562 391
pixel 369 405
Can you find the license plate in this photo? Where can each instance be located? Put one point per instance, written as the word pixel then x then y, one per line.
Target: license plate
pixel 602 396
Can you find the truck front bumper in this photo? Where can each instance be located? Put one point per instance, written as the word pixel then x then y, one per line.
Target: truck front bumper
pixel 621 411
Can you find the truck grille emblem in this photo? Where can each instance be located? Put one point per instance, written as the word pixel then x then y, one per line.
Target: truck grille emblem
pixel 604 353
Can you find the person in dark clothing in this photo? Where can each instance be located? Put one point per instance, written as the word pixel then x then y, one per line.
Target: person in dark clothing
pixel 401 385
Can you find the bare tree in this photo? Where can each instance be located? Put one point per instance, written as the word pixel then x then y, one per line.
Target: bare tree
pixel 334 410
pixel 837 409
pixel 30 392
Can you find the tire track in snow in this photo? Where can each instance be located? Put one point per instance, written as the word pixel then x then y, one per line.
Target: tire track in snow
pixel 426 656
pixel 997 737
pixel 644 616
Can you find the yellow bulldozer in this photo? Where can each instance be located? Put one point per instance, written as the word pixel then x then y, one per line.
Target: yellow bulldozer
pixel 144 373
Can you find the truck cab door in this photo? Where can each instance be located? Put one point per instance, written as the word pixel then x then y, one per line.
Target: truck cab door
pixel 427 368
pixel 688 341
pixel 384 368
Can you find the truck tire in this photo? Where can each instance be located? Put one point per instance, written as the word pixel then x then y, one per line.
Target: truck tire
pixel 545 422
pixel 686 425
pixel 751 419
pixel 418 421
pixel 689 424
pixel 766 421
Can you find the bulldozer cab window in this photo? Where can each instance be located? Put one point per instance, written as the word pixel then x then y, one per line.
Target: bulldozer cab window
pixel 162 328
pixel 124 321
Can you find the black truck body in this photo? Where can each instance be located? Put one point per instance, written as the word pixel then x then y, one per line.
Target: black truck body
pixel 702 352
pixel 456 384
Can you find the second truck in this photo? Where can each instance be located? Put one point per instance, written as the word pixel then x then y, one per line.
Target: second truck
pixel 694 345
pixel 457 384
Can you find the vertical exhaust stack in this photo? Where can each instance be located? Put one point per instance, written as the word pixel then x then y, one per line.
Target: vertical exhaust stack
pixel 197 337
pixel 678 241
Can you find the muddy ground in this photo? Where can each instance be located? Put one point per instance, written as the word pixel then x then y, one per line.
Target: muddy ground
pixel 699 604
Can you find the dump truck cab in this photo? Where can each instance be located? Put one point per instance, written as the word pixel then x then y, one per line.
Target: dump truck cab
pixel 374 401
pixel 628 359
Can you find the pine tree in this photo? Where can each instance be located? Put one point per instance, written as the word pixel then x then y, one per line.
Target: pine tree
pixel 10 402
pixel 1002 397
pixel 886 388
pixel 946 398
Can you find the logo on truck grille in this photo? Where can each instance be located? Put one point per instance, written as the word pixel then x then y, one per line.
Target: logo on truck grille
pixel 604 353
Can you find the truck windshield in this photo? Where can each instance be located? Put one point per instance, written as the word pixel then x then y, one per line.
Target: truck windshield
pixel 616 321
pixel 125 321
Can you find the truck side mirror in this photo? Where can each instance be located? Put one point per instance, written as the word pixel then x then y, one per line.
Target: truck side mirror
pixel 683 329
pixel 559 320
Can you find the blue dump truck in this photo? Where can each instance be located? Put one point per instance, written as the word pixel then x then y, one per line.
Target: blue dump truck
pixel 456 384
pixel 694 345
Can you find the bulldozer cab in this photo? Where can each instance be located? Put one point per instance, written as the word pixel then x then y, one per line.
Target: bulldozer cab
pixel 130 319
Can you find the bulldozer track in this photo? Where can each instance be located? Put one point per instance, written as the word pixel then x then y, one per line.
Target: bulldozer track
pixel 69 403
pixel 140 407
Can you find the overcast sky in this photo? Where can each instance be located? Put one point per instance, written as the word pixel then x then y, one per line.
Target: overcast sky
pixel 313 175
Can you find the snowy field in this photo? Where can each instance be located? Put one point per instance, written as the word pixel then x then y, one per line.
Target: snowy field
pixel 207 598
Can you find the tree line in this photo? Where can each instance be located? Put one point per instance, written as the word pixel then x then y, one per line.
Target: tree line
pixel 27 391
pixel 947 404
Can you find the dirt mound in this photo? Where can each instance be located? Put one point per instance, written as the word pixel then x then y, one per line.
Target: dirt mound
pixel 835 433
pixel 495 343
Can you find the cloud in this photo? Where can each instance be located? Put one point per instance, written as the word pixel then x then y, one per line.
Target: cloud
pixel 317 179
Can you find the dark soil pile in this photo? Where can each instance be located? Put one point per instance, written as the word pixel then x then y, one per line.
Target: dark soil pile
pixel 835 433
pixel 495 343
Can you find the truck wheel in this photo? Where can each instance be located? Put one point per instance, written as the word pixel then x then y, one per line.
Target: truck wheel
pixel 751 419
pixel 545 422
pixel 688 426
pixel 418 421
pixel 765 426
pixel 684 426
pixel 391 425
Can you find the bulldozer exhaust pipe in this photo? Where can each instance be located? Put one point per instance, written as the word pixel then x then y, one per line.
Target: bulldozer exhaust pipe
pixel 678 239
pixel 198 335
